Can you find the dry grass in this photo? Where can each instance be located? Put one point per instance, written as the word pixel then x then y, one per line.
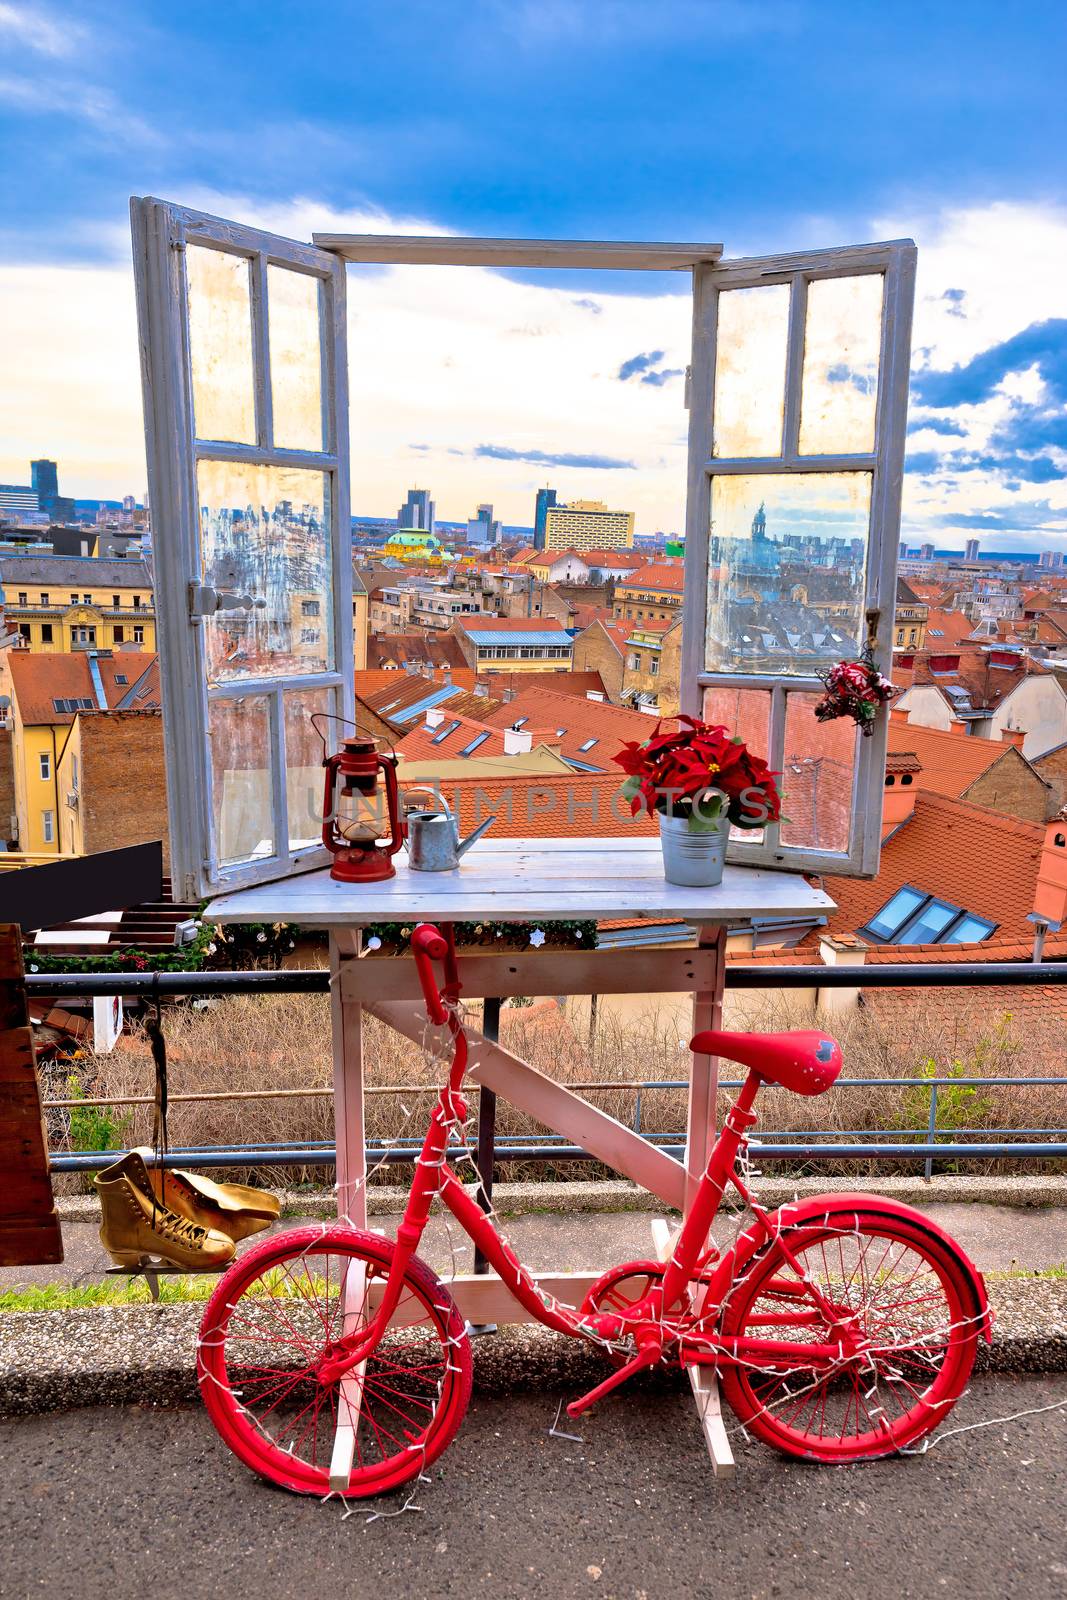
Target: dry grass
pixel 265 1043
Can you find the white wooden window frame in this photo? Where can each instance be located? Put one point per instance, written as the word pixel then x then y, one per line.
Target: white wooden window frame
pixel 885 464
pixel 161 234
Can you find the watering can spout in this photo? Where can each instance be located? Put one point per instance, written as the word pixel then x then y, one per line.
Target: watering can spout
pixel 463 845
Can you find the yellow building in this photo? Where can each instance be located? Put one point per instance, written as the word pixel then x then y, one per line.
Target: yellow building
pixel 48 693
pixel 57 604
pixel 360 622
pixel 588 525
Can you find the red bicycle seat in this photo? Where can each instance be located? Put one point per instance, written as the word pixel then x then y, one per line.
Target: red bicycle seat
pixel 806 1061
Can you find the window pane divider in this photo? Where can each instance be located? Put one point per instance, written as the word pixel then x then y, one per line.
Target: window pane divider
pixel 794 367
pixel 261 385
pixel 237 688
pixel 254 455
pixel 790 463
pixel 279 805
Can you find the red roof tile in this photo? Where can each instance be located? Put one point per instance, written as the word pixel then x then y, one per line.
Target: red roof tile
pixel 949 762
pixel 656 575
pixel 40 680
pixel 964 854
pixel 570 722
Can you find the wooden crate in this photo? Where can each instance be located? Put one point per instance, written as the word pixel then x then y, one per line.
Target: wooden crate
pixel 29 1226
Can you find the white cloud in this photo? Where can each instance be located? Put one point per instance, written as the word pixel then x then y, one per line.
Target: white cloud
pixel 36 29
pixel 452 358
pixel 445 359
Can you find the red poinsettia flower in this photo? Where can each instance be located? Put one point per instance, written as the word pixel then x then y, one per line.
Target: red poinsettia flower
pixel 672 770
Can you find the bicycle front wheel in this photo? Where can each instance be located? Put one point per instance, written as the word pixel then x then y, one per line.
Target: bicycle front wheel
pixel 270 1322
pixel 907 1296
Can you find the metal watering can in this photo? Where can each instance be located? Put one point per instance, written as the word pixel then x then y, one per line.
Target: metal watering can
pixel 433 840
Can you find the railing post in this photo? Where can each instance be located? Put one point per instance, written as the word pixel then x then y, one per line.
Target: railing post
pixel 487 1123
pixel 931 1129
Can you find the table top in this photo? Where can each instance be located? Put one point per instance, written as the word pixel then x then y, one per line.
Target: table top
pixel 540 880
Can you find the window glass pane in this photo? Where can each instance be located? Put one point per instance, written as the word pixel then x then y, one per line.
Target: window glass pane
pixel 265 532
pixel 750 355
pixel 786 571
pixel 842 336
pixel 892 915
pixel 746 713
pixel 928 924
pixel 220 345
pixel 969 930
pixel 239 733
pixel 303 761
pixel 295 358
pixel 817 775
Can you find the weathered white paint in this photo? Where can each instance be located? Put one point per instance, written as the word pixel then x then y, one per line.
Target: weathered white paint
pixel 453 250
pixel 896 261
pixel 528 880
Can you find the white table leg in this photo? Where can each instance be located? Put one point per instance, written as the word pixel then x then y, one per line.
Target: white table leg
pixel 349 1135
pixel 704 1070
pixel 349 1129
pixel 699 1140
pixel 350 1391
pixel 702 1380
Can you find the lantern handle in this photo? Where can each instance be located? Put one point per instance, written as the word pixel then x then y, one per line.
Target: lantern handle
pixel 333 716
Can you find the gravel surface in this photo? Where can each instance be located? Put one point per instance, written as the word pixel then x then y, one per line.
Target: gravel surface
pixel 105 1503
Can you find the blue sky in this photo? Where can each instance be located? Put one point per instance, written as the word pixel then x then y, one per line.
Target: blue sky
pixel 770 125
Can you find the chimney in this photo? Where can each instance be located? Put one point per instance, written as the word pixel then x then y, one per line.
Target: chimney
pixel 517 742
pixel 1015 736
pixel 1050 891
pixel 899 715
pixel 957 725
pixel 434 717
pixel 898 800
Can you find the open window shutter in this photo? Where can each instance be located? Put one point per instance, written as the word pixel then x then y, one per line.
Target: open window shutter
pixel 244 369
pixel 798 405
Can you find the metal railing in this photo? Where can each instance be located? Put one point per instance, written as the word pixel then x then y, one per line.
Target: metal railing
pixel 908 1144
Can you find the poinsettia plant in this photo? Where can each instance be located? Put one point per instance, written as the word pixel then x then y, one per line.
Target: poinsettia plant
pixel 854 689
pixel 701 772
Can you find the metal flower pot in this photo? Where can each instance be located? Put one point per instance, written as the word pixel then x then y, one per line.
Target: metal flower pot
pixel 695 860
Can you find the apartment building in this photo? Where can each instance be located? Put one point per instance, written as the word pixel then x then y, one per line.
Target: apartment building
pixel 588 525
pixel 651 594
pixel 58 604
pixel 50 695
pixel 514 644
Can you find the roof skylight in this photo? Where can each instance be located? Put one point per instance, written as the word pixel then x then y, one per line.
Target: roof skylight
pixel 913 917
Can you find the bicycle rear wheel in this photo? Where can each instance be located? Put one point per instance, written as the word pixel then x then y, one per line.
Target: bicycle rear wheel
pixel 270 1322
pixel 913 1304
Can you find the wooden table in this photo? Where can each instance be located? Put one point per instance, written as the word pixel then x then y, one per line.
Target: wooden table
pixel 537 881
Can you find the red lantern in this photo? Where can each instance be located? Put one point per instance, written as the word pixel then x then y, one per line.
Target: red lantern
pixel 351 812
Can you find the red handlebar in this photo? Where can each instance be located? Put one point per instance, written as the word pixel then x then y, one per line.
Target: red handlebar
pixel 428 945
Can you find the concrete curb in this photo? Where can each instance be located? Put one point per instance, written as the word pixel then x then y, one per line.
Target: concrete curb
pixel 516 1199
pixel 143 1355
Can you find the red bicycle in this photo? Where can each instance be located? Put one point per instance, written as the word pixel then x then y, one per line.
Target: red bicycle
pixel 843 1327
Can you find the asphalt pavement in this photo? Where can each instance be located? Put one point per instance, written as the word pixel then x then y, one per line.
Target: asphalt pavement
pixel 148 1503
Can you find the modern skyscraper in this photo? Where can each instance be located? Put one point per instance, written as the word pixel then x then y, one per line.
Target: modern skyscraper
pixel 44 477
pixel 481 529
pixel 417 512
pixel 546 498
pixel 588 525
pixel 971 550
pixel 926 552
